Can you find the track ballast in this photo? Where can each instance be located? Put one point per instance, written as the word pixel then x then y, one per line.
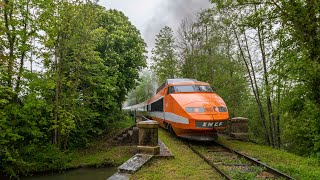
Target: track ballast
pixel 232 164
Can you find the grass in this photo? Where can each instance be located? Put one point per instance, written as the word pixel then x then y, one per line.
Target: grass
pixel 99 154
pixel 111 156
pixel 187 165
pixel 184 165
pixel 296 166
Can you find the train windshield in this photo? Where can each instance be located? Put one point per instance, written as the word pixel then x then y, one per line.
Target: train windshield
pixel 190 88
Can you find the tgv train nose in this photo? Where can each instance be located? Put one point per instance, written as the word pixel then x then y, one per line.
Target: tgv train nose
pixel 187 107
pixel 206 111
pixel 205 107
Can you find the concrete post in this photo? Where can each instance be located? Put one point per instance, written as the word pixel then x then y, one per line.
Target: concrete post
pixel 239 128
pixel 148 137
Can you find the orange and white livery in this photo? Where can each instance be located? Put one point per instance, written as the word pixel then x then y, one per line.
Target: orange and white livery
pixel 188 108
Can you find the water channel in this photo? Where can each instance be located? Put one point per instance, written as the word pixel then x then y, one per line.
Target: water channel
pixel 77 174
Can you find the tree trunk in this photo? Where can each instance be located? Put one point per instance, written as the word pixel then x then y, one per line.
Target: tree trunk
pixel 266 81
pixel 23 53
pixel 252 83
pixel 256 89
pixel 57 90
pixel 8 12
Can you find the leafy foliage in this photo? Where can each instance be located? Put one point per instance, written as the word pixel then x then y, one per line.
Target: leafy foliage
pixel 165 63
pixel 122 50
pixel 65 69
pixel 286 40
pixel 144 90
pixel 263 59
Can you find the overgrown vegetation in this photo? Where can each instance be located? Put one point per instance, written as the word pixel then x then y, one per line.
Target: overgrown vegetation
pixel 296 166
pixel 146 86
pixel 184 165
pixel 96 154
pixel 187 165
pixel 67 65
pixel 263 59
pixel 222 159
pixel 65 69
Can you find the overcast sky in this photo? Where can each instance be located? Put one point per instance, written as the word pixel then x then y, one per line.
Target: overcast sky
pixel 149 16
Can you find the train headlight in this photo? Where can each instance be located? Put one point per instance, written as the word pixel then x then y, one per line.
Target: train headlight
pixel 195 109
pixel 220 109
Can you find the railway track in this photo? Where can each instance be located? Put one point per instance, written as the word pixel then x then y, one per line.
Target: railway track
pixel 234 165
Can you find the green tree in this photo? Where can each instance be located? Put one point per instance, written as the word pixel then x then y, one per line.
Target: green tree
pixel 16 31
pixel 122 51
pixel 253 34
pixel 208 53
pixel 144 90
pixel 284 35
pixel 301 55
pixel 83 61
pixel 69 57
pixel 165 63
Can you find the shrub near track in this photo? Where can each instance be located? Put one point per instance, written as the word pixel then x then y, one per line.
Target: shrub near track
pixel 184 165
pixel 296 166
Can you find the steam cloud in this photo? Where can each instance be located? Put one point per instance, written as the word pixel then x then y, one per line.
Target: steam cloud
pixel 171 13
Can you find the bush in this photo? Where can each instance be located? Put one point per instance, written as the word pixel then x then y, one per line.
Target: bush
pixel 11 162
pixel 47 158
pixel 32 159
pixel 302 129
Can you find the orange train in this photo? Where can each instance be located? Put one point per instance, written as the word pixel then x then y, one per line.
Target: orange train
pixel 186 107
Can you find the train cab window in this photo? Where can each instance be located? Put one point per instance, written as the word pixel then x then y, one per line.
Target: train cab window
pixel 191 88
pixel 171 89
pixel 205 89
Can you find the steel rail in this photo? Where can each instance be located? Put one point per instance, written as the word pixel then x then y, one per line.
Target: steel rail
pixel 209 162
pixel 257 162
pixel 253 160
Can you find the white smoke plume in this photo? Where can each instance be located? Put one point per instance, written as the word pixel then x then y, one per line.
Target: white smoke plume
pixel 171 13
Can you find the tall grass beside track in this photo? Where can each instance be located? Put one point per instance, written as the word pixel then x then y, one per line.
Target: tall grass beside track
pixel 187 165
pixel 298 167
pixel 184 165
